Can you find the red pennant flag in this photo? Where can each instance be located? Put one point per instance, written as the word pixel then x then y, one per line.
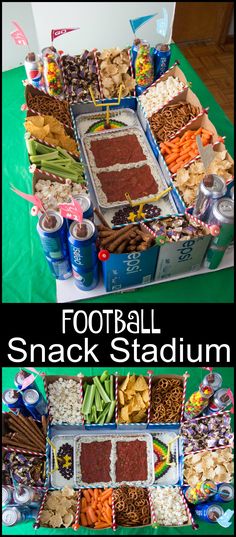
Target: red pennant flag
pixel 19 36
pixel 61 31
pixel 72 210
pixel 208 368
pixel 34 199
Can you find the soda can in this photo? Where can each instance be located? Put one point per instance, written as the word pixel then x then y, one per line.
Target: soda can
pixel 214 380
pixel 13 515
pixel 52 230
pixel 6 495
pixel 210 512
pixel 232 193
pixel 19 379
pixel 223 216
pixel 161 55
pixel 35 403
pixel 27 496
pixel 86 206
pixel 83 254
pixel 219 402
pixel 207 195
pixel 14 401
pixel 34 71
pixel 225 493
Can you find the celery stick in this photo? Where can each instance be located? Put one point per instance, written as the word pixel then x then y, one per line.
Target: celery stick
pixel 85 401
pixel 85 386
pixel 64 175
pixel 101 390
pixel 46 156
pixel 111 387
pixel 40 148
pixel 90 399
pixel 94 414
pixel 30 145
pixel 98 401
pixel 65 153
pixel 103 404
pixel 103 415
pixel 104 376
pixel 107 387
pixel 111 412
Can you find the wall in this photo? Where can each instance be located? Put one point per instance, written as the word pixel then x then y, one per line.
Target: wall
pixel 102 24
pixel 13 55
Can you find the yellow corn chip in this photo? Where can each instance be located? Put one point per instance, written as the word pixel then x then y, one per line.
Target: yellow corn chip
pixel 131 382
pixel 38 121
pixel 124 413
pixel 140 384
pixel 125 382
pixel 145 396
pixel 121 397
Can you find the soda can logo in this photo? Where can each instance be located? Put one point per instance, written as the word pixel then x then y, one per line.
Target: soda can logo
pixel 133 263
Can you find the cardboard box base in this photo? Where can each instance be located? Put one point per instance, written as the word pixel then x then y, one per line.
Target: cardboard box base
pixel 68 292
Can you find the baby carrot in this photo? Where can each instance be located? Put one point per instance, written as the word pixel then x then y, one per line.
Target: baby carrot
pixel 92 515
pixel 83 519
pixel 90 492
pixel 177 139
pixel 106 494
pixel 198 131
pixel 83 505
pixel 101 525
pixel 90 522
pixel 171 158
pixel 110 501
pixel 87 495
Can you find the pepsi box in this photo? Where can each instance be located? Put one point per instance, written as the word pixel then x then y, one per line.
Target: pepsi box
pixel 183 256
pixel 129 269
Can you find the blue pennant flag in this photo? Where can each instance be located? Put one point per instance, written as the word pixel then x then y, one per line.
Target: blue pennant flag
pixel 136 23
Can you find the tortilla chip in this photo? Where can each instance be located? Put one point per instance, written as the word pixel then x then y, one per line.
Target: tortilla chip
pixel 125 382
pixel 124 413
pixel 38 121
pixel 145 396
pixel 121 397
pixel 140 384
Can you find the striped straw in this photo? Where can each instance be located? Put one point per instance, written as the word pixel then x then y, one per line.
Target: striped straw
pixel 185 376
pixel 76 524
pixel 116 397
pixel 190 516
pixel 98 74
pixel 26 451
pixel 81 376
pixel 37 523
pixel 150 373
pixel 131 68
pixel 153 513
pixel 114 525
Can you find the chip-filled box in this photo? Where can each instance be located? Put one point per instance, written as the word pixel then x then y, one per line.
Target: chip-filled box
pixel 217 466
pixel 143 422
pixel 167 402
pixel 50 379
pixel 58 519
pixel 69 130
pixel 97 426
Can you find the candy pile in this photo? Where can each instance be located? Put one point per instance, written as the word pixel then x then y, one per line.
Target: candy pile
pixel 79 72
pixel 47 105
pixel 144 68
pixel 122 215
pixel 52 193
pixel 168 506
pixel 65 457
pixel 206 433
pixel 25 433
pixel 158 95
pixel 197 401
pixel 64 401
pixel 25 469
pixel 175 229
pixel 133 397
pixel 187 180
pixel 99 400
pixel 59 509
pixel 114 65
pixel 132 506
pixel 183 148
pixel 216 465
pixel 50 130
pixel 166 400
pixel 171 118
pixel 52 74
pixel 130 238
pixel 96 508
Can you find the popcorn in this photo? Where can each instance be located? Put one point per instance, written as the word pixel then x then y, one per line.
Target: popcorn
pixel 168 506
pixel 64 401
pixel 51 193
pixel 158 95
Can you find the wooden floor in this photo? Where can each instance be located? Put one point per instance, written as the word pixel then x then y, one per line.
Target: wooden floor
pixel 215 66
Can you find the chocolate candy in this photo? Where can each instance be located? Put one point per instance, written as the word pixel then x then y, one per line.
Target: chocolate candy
pixel 24 469
pixel 175 229
pixel 206 433
pixel 121 216
pixel 79 72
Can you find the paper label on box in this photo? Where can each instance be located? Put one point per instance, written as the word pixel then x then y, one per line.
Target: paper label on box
pixel 182 256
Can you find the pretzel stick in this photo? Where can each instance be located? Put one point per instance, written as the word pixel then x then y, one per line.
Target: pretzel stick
pixel 36 428
pixel 44 425
pixel 30 424
pixel 101 217
pixel 122 237
pixel 122 247
pixel 21 428
pixel 105 233
pixel 14 443
pixel 117 234
pixel 21 431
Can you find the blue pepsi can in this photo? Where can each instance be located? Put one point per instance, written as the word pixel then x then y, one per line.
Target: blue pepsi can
pixel 82 239
pixel 225 493
pixel 161 56
pixel 12 515
pixel 35 403
pixel 52 229
pixel 14 401
pixel 19 379
pixel 210 512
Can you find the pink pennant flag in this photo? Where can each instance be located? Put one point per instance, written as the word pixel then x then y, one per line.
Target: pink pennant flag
pixel 27 381
pixel 18 35
pixel 229 393
pixel 33 199
pixel 61 31
pixel 72 210
pixel 208 368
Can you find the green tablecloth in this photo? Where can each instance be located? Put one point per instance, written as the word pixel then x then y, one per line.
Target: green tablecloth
pixel 26 276
pixel 196 376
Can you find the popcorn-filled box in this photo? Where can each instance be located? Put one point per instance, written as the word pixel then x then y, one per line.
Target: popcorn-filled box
pixel 64 397
pixel 132 396
pixel 180 256
pixel 169 507
pixel 99 402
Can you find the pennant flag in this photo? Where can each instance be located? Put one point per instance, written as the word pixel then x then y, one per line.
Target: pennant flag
pixel 61 31
pixel 136 23
pixel 33 199
pixel 26 382
pixel 72 210
pixel 162 24
pixel 230 395
pixel 18 35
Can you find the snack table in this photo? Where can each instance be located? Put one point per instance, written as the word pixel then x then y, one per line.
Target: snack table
pixel 196 376
pixel 26 276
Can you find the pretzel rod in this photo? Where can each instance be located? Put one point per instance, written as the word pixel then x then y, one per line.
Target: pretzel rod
pixel 9 442
pixel 35 427
pixel 104 233
pixel 101 217
pixel 117 234
pixel 44 425
pixel 21 439
pixel 23 425
pixel 118 240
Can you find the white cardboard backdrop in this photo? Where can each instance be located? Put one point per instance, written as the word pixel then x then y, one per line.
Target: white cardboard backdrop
pixel 102 25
